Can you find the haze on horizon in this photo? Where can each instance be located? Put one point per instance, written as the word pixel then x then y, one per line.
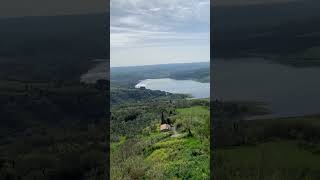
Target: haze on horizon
pixel 146 32
pixel 170 63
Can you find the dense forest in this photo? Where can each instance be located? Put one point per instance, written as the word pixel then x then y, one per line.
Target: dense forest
pixel 139 150
pixel 129 76
pixel 52 126
pixel 285 148
pixel 281 149
pixel 52 131
pixel 286 33
pixel 267 148
pixel 52 48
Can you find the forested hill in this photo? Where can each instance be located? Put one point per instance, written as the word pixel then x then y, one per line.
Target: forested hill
pixel 48 118
pixel 285 32
pixel 53 47
pixel 129 76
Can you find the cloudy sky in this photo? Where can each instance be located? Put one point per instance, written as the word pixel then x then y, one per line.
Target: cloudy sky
pixel 147 32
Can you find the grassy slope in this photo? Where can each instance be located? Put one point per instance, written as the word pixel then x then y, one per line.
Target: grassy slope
pixel 44 128
pixel 51 125
pixel 289 155
pixel 284 160
pixel 156 155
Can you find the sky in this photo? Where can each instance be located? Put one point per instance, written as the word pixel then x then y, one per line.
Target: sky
pixel 144 32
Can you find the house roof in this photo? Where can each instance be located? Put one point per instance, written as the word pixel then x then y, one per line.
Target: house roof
pixel 165 127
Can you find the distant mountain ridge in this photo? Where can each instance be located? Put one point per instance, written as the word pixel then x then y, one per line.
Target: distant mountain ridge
pixel 128 76
pixel 204 64
pixel 52 47
pixel 277 29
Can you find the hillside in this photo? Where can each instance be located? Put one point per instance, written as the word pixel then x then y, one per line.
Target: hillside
pixel 130 76
pixel 280 148
pixel 280 32
pixel 148 153
pixel 48 118
pixel 52 48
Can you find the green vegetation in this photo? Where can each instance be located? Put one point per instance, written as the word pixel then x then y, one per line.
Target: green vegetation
pixel 121 96
pixel 51 48
pixel 138 149
pixel 305 58
pixel 276 32
pixel 281 160
pixel 143 152
pixel 279 149
pixel 128 77
pixel 52 130
pixel 52 127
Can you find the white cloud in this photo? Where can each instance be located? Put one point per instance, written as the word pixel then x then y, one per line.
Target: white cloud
pixel 158 24
pixel 155 9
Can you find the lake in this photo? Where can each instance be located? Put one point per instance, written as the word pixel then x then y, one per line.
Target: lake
pixel 98 71
pixel 193 88
pixel 287 90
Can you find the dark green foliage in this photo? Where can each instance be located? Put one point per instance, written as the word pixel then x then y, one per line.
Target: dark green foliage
pixel 128 77
pixel 51 48
pixel 237 110
pixel 163 121
pixel 52 127
pixel 280 32
pixel 123 96
pixel 283 148
pixel 51 131
pixel 129 120
pixel 149 154
pixel 139 150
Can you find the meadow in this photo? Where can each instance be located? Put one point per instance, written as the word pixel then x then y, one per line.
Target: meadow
pixel 279 149
pixel 182 153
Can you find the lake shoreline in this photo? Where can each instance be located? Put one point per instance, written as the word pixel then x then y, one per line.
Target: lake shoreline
pixel 196 89
pixel 287 91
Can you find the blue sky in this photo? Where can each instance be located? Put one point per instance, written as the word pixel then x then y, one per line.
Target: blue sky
pixel 147 32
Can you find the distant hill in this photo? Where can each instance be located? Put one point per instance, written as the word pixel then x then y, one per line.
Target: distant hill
pixel 129 76
pixel 53 47
pixel 277 30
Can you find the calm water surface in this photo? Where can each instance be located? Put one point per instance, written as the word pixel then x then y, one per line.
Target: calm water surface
pixel 193 88
pixel 288 91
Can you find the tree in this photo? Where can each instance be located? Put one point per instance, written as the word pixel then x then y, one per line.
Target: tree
pixel 163 121
pixel 188 124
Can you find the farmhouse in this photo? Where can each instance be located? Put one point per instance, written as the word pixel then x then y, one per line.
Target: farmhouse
pixel 165 127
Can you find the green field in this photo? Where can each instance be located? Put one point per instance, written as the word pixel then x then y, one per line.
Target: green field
pixel 46 126
pixel 180 154
pixel 281 160
pixel 277 149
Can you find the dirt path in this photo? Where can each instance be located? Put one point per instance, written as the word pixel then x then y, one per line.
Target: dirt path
pixel 175 133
